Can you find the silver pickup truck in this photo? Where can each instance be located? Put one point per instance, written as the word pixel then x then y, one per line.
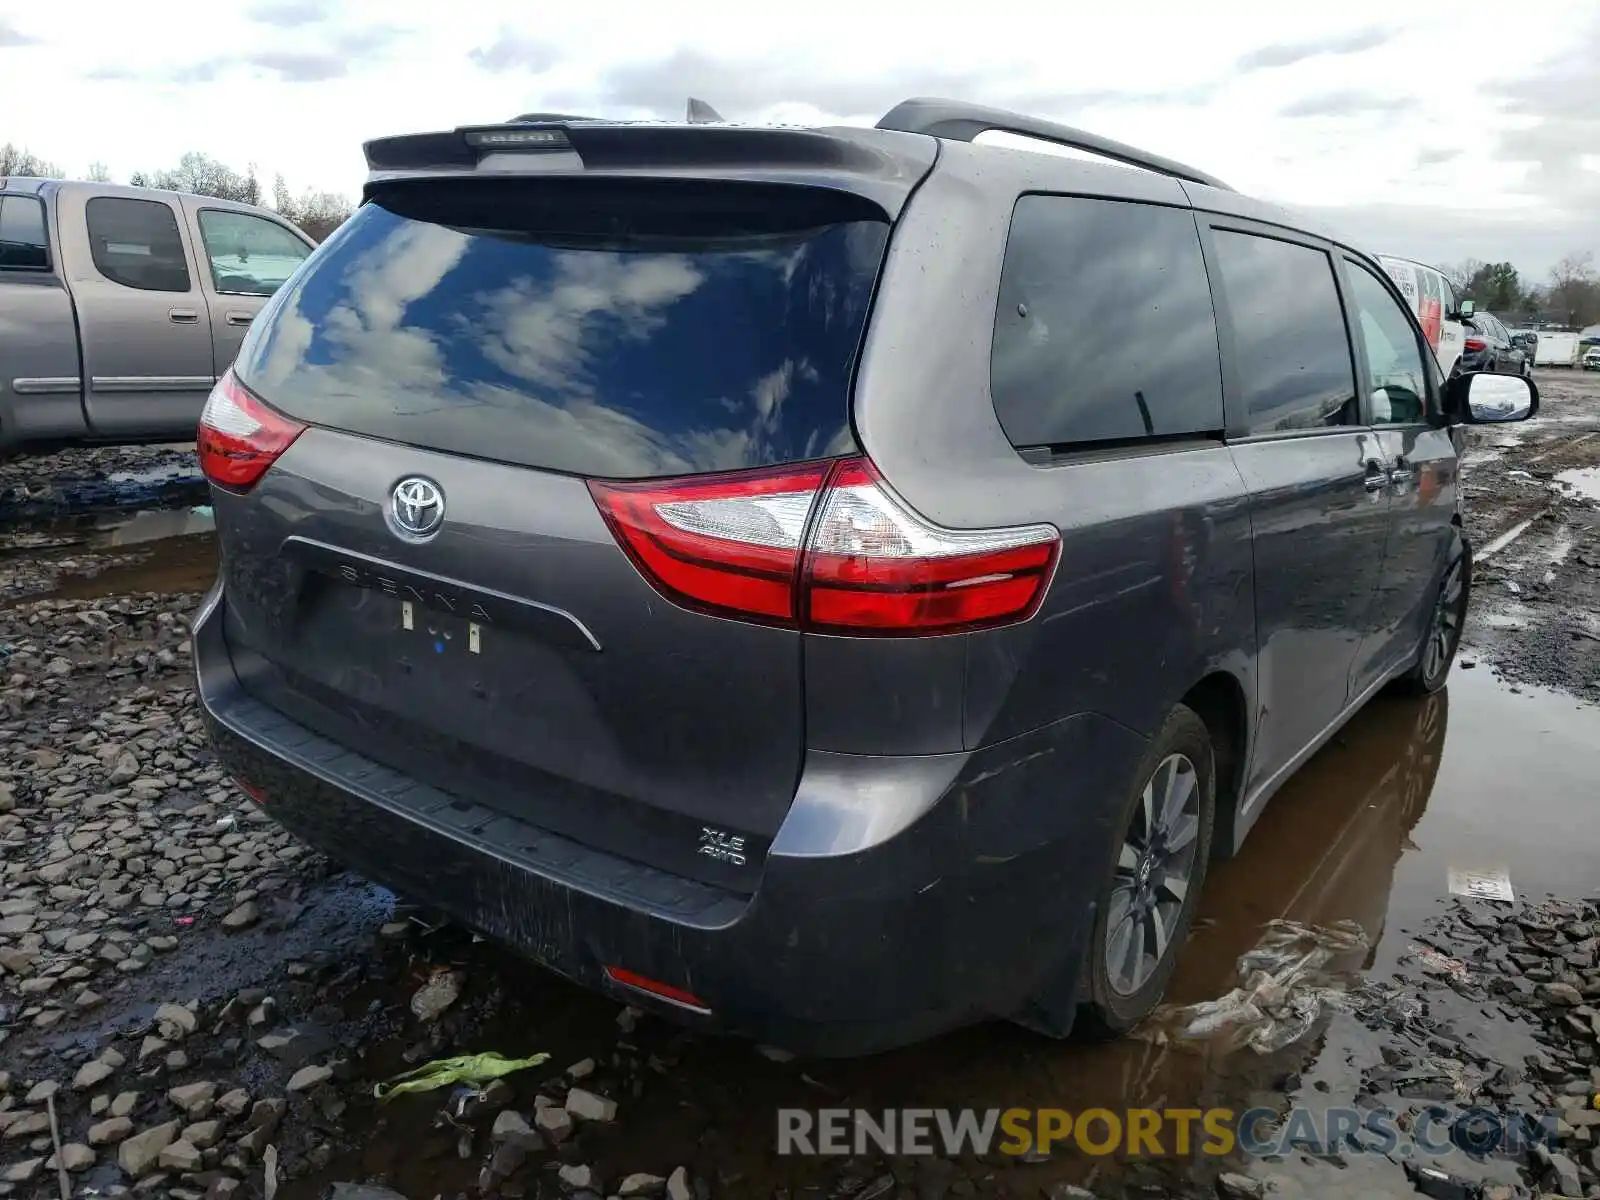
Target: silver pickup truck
pixel 120 306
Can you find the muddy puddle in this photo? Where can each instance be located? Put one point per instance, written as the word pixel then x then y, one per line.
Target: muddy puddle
pixel 90 555
pixel 1482 777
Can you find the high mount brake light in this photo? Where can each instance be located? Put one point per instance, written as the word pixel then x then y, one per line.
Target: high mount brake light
pixel 239 436
pixel 825 547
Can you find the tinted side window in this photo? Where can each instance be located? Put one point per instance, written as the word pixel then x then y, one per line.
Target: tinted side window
pixel 1397 372
pixel 136 243
pixel 1104 328
pixel 1289 339
pixel 23 245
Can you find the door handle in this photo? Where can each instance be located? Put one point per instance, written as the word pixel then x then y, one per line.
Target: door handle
pixel 1377 474
pixel 238 317
pixel 182 316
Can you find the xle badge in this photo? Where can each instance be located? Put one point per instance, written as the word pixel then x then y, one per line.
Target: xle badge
pixel 724 847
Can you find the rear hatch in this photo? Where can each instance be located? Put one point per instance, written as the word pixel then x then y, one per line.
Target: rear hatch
pixel 483 351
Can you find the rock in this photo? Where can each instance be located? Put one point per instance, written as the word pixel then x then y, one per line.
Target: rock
pixel 581 1070
pixel 41 1091
pixel 1565 1172
pixel 150 1047
pixel 124 1103
pixel 363 1191
pixel 203 1134
pixel 441 991
pixel 246 915
pixel 177 1061
pixel 1067 1191
pixel 641 1184
pixel 222 1188
pixel 75 1157
pixel 22 1172
pixel 194 1100
pixel 27 1126
pixel 180 1156
pixel 509 1125
pixel 307 1078
pixel 296 1045
pixel 235 1102
pixel 577 1175
pixel 586 1106
pixel 265 1114
pixel 678 1186
pixel 175 1022
pixel 139 1153
pixel 1561 993
pixel 1240 1187
pixel 88 999
pixel 111 1131
pixel 98 1106
pixel 554 1123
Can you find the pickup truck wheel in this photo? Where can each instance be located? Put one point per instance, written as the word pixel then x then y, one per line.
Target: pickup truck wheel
pixel 1153 882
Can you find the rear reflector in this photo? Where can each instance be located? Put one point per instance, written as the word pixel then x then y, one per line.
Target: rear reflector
pixel 825 547
pixel 251 790
pixel 239 436
pixel 655 987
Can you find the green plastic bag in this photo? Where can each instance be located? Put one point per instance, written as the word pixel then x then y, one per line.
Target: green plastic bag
pixel 443 1072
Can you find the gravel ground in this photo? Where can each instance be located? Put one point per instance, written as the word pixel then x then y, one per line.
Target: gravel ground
pixel 206 1005
pixel 1536 607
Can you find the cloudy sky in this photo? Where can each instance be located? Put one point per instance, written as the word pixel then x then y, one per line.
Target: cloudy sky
pixel 1441 132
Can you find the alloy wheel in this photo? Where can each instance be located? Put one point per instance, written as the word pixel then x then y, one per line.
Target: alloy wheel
pixel 1155 867
pixel 1445 631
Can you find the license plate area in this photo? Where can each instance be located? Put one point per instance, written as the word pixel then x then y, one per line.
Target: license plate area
pixel 441 633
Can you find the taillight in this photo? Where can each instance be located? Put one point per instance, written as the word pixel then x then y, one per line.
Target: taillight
pixel 825 547
pixel 239 436
pixel 1475 344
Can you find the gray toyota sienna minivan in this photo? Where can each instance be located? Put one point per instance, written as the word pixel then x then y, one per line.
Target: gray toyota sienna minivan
pixel 829 585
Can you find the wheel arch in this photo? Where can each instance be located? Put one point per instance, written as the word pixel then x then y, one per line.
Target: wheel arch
pixel 1219 701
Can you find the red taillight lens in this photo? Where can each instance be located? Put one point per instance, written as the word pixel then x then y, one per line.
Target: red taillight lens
pixel 739 544
pixel 239 436
pixel 1475 344
pixel 723 543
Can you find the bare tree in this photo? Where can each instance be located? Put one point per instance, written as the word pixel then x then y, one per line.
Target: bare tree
pixel 99 173
pixel 318 213
pixel 204 176
pixel 17 160
pixel 1463 273
pixel 1574 295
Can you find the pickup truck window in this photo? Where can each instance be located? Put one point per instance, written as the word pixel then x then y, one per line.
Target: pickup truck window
pixel 136 243
pixel 23 246
pixel 249 256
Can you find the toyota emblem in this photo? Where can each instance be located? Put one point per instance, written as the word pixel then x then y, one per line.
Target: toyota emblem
pixel 417 508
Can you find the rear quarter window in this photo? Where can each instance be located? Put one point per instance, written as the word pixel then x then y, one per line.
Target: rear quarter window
pixel 600 330
pixel 1104 329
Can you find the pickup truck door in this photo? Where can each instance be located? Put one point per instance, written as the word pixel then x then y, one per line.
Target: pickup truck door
pixel 142 318
pixel 244 257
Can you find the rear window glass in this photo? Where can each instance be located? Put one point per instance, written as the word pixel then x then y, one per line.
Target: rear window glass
pixel 1104 329
pixel 623 334
pixel 22 241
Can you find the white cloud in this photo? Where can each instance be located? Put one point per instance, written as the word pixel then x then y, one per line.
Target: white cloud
pixel 1369 109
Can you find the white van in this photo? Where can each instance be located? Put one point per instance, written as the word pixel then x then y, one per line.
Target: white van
pixel 1436 305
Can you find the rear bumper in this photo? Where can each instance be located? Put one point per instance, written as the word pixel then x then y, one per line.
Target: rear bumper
pixel 902 897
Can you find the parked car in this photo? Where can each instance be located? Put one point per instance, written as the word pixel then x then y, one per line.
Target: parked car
pixel 1489 347
pixel 1591 359
pixel 633 550
pixel 1433 298
pixel 120 306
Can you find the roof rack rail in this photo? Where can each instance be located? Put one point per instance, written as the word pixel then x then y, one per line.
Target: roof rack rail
pixel 963 122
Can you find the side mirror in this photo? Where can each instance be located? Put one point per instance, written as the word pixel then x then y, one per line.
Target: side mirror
pixel 1468 307
pixel 1481 399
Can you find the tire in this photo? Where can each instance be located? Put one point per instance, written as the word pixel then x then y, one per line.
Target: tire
pixel 1446 617
pixel 1122 985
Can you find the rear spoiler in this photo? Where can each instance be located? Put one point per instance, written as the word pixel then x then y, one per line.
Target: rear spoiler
pixel 882 167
